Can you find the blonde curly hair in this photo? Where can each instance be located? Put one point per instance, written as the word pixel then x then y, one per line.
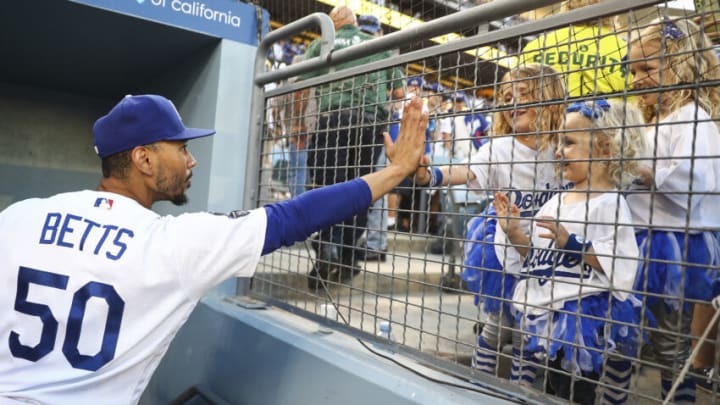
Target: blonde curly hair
pixel 618 135
pixel 544 84
pixel 685 60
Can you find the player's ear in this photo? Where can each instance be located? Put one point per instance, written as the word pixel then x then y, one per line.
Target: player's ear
pixel 142 160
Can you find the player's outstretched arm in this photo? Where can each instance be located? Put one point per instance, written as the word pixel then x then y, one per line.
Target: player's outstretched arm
pixel 295 219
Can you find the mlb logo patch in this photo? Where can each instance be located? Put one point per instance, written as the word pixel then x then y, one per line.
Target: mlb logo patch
pixel 105 203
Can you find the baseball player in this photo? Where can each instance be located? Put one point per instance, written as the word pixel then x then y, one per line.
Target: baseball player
pixel 97 284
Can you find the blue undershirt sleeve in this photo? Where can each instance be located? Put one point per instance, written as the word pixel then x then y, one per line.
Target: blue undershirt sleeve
pixel 295 219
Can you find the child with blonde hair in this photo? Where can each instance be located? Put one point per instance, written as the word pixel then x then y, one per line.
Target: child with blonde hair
pixel 675 206
pixel 573 303
pixel 518 160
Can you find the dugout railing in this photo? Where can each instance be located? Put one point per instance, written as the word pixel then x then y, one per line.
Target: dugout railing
pixel 428 322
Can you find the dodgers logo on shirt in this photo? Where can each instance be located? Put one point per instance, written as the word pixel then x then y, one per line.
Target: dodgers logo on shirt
pixel 102 202
pixel 530 202
pixel 547 263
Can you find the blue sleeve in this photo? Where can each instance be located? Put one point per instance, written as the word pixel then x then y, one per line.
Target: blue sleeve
pixel 295 219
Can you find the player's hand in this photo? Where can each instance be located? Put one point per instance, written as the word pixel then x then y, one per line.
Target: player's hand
pixel 410 145
pixel 508 214
pixel 389 147
pixel 556 231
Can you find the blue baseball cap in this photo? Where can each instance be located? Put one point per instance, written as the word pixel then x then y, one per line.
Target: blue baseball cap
pixel 141 120
pixel 415 81
pixel 368 23
pixel 459 96
pixel 434 87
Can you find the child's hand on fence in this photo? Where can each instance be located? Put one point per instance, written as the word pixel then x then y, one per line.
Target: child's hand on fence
pixel 422 175
pixel 644 175
pixel 508 214
pixel 556 231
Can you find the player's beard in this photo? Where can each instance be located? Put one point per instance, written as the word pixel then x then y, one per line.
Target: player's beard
pixel 172 186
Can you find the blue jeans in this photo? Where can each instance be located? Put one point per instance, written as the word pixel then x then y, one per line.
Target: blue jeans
pixel 297 170
pixel 377 221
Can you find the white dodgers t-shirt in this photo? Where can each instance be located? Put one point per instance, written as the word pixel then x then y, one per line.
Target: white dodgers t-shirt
pixel 96 286
pixel 526 175
pixel 555 277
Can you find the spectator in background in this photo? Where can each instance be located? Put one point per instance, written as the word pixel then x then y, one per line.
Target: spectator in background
pixel 436 105
pixel 384 213
pixel 463 133
pixel 590 55
pixel 348 139
pixel 297 118
pixel 432 93
pixel 370 25
pixel 375 248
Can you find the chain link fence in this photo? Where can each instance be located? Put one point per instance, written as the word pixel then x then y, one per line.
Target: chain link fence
pixel 562 232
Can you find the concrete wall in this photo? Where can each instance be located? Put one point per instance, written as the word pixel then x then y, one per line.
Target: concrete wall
pixel 46 142
pixel 269 356
pixel 46 134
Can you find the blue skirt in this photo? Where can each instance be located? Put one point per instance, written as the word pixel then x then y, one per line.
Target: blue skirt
pixel 482 272
pixel 585 341
pixel 668 277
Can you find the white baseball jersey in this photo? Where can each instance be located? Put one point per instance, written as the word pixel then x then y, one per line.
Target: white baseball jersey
pixel 688 145
pixel 524 174
pixel 557 277
pixel 96 286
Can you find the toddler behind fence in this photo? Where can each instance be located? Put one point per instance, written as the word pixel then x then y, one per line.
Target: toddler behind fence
pixel 573 302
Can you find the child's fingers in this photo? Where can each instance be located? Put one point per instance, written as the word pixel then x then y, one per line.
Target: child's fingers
pixel 499 206
pixel 542 224
pixel 501 210
pixel 547 236
pixel 547 225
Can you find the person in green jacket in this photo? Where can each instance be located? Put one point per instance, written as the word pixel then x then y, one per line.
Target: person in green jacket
pixel 352 118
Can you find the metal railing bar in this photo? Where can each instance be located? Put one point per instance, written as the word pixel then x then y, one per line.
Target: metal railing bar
pixel 453 22
pixel 590 12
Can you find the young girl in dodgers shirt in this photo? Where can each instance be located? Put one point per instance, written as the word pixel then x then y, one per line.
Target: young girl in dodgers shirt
pixel 676 206
pixel 519 161
pixel 580 259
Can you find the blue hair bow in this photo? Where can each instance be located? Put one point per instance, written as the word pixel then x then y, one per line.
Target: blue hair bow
pixel 670 30
pixel 589 110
